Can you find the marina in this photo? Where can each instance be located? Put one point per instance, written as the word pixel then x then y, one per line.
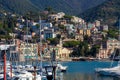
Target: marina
pixel 51 45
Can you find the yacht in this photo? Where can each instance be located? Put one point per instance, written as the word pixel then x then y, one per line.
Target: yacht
pixel 114 71
pixel 61 67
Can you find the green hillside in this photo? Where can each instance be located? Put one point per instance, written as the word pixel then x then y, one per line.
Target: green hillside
pixel 17 6
pixel 108 12
pixel 73 7
pixel 67 6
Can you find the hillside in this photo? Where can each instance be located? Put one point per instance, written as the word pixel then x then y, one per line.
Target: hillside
pixel 108 12
pixel 17 6
pixel 68 6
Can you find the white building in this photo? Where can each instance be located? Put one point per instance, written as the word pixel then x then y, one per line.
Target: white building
pixel 77 20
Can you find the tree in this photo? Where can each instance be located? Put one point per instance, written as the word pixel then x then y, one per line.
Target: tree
pixel 81 50
pixel 71 44
pixel 58 36
pixel 49 9
pixel 53 41
pixel 68 17
pixel 113 33
pixel 94 50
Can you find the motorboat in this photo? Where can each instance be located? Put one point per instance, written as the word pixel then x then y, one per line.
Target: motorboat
pixel 61 67
pixel 108 71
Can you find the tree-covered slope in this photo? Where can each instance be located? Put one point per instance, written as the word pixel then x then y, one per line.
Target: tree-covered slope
pixel 108 12
pixel 17 6
pixel 67 6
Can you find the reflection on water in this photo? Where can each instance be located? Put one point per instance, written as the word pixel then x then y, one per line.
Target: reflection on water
pixel 86 70
pixel 81 76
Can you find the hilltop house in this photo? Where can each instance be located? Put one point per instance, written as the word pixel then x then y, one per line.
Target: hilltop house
pixel 77 20
pixel 55 17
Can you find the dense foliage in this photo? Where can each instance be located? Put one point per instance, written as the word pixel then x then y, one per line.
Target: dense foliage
pixel 67 6
pixel 17 6
pixel 7 26
pixel 53 41
pixel 71 44
pixel 108 12
pixel 84 50
pixel 113 33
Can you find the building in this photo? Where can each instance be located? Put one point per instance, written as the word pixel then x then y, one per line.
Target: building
pixel 63 53
pixel 77 19
pixel 56 17
pixel 70 28
pixel 29 50
pixel 87 32
pixel 113 43
pixel 110 46
pixel 97 23
pixel 90 25
pixel 44 25
pixel 49 33
pixel 104 28
pixel 79 37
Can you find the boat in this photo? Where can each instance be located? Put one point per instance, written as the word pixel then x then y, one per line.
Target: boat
pixel 25 75
pixel 109 71
pixel 61 67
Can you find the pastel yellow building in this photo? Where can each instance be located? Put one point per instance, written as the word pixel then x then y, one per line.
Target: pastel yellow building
pixel 63 53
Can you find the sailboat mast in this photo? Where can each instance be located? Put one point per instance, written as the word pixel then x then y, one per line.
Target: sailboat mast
pixel 26 47
pixel 40 45
pixel 119 30
pixel 119 41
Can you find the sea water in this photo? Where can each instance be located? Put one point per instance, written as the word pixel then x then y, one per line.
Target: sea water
pixel 85 70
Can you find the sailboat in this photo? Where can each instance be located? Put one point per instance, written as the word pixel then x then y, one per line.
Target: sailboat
pixel 112 71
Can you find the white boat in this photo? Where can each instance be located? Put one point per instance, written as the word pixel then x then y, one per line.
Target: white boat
pixel 61 67
pixel 114 71
pixel 25 75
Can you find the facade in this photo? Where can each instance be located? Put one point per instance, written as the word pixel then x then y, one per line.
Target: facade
pixel 90 25
pixel 87 32
pixel 49 33
pixel 77 20
pixel 104 28
pixel 111 45
pixel 81 32
pixel 56 16
pixel 63 53
pixel 48 25
pixel 28 50
pixel 97 23
pixel 79 37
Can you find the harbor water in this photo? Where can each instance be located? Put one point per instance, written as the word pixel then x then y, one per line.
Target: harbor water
pixel 85 70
